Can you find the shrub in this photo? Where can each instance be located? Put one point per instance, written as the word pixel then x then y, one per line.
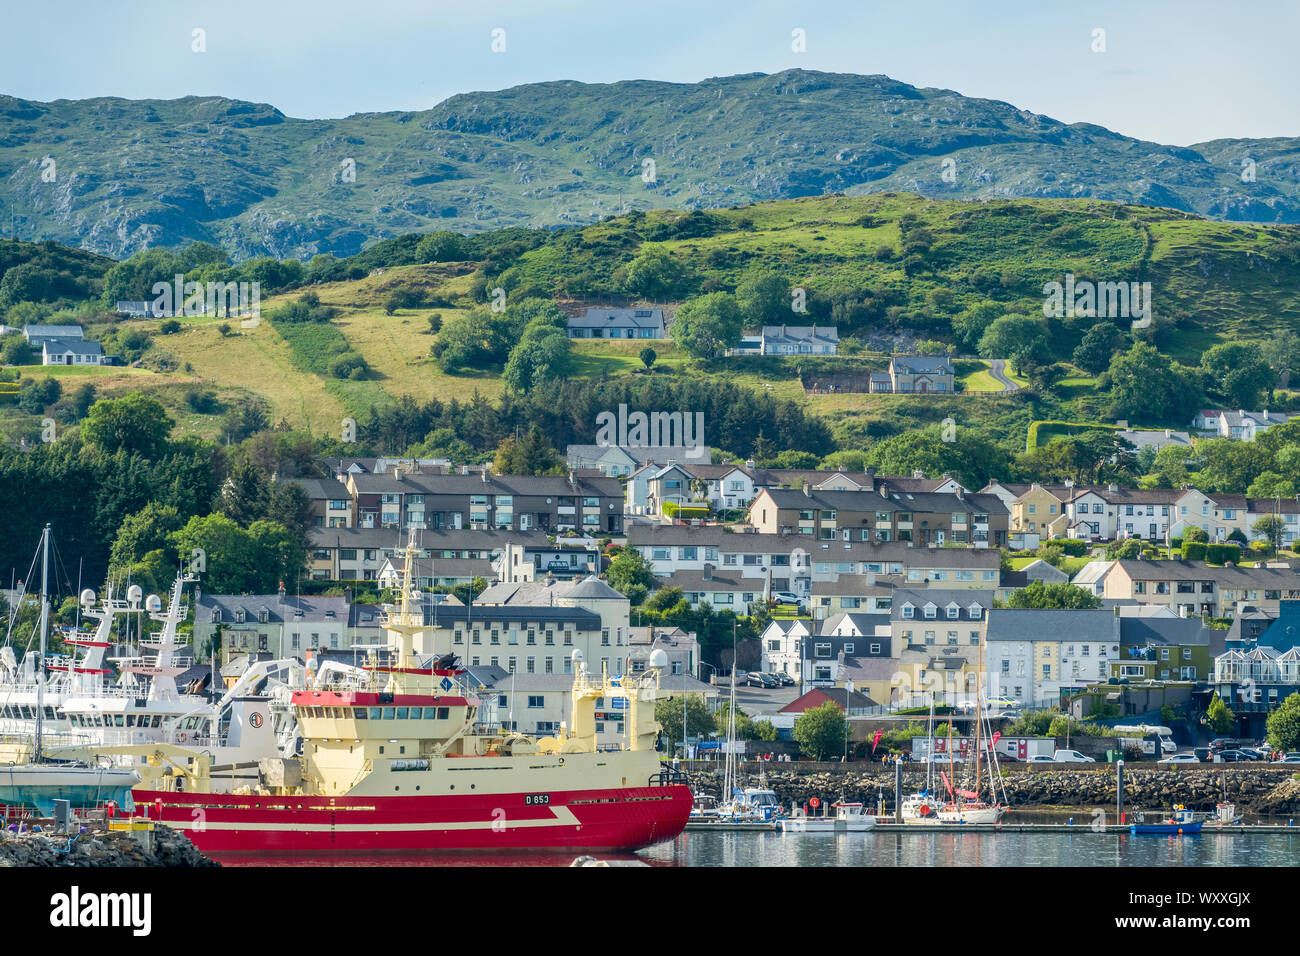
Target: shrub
pixel 1222 553
pixel 1193 551
pixel 1175 544
pixel 170 327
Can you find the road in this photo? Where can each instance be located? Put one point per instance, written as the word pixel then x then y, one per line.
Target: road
pixel 997 368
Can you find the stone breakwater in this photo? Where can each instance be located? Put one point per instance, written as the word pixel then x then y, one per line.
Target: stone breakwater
pixel 170 848
pixel 1252 789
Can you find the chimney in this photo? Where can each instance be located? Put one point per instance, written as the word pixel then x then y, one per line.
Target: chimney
pixel 993 483
pixel 1168 433
pixel 917 473
pixel 1112 488
pixel 572 482
pixel 281 592
pixel 807 489
pixel 397 474
pixel 347 594
pixel 708 572
pixel 749 463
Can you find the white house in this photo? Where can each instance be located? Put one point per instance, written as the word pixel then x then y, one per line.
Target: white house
pixel 72 352
pixel 799 340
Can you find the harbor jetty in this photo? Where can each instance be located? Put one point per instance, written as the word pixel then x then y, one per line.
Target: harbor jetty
pixel 1260 789
pixel 157 846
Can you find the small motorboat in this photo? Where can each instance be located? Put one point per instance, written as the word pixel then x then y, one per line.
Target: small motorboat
pixel 1182 822
pixel 971 811
pixel 848 818
pixel 1225 815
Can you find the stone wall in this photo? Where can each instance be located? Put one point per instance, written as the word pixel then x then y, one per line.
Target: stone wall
pixel 1261 789
pixel 170 848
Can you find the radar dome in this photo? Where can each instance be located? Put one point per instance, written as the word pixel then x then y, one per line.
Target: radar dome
pixel 153 603
pixel 88 597
pixel 134 594
pixel 576 656
pixel 658 658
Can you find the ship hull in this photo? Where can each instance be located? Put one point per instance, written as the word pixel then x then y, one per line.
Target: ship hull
pixel 625 818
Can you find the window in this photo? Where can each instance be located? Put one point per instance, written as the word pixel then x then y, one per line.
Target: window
pixel 535 701
pixel 822 650
pixel 531 666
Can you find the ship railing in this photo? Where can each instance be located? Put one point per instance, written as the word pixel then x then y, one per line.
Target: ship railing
pixel 667 777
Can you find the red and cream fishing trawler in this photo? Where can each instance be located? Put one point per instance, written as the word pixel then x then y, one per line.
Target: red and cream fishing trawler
pixel 395 759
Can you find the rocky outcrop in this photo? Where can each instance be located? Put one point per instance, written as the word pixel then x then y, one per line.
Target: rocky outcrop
pixel 170 848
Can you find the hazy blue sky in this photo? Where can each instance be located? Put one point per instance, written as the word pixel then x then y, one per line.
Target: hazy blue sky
pixel 1174 72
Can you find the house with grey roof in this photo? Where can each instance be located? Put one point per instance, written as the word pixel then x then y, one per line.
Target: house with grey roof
pixel 799 340
pixel 621 461
pixel 917 374
pixel 605 323
pixel 281 624
pixel 1240 425
pixel 34 334
pixel 1037 655
pixel 72 352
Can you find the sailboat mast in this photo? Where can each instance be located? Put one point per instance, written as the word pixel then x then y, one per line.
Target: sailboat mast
pixel 979 715
pixel 45 625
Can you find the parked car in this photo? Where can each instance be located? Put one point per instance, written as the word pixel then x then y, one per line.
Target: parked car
pixel 1040 758
pixel 1203 754
pixel 1071 756
pixel 786 680
pixel 755 679
pixel 1288 758
pixel 786 598
pixel 1181 758
pixel 1253 754
pixel 1224 743
pixel 1232 756
pixel 771 681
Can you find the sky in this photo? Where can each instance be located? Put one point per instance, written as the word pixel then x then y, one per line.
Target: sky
pixel 1172 72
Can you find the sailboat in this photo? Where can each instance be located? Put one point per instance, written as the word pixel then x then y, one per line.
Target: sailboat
pixel 968 806
pixel 923 806
pixel 42 781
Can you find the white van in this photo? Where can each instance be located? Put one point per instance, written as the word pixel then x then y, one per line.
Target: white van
pixel 1071 756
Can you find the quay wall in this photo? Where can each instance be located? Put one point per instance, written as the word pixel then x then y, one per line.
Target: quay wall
pixel 1254 789
pixel 99 848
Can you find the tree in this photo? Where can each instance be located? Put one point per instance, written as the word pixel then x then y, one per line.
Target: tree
pixel 630 569
pixel 1238 371
pixel 1219 717
pixel 655 274
pixel 1098 345
pixel 1015 337
pixel 1272 529
pixel 747 728
pixel 1195 534
pixel 1269 484
pixel 707 325
pixel 442 246
pixel 648 356
pixel 1057 594
pixel 144 531
pixel 820 731
pixel 668 712
pixel 969 325
pixel 1282 352
pixel 531 455
pixel 1283 725
pixel 1147 386
pixel 763 295
pixel 134 423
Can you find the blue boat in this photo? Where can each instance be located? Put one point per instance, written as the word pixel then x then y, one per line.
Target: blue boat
pixel 1181 822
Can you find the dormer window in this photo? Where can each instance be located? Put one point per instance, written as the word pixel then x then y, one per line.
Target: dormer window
pixel 954 611
pixel 216 614
pixel 976 611
pixel 909 612
pixel 239 615
pixel 930 610
pixel 263 615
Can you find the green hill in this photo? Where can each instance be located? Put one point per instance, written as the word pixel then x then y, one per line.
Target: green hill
pixel 886 269
pixel 131 174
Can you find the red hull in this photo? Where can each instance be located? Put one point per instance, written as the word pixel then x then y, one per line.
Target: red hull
pixel 611 820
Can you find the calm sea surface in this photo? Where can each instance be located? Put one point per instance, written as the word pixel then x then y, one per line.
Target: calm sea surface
pixel 883 848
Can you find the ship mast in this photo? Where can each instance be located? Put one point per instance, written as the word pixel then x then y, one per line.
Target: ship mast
pixel 979 714
pixel 45 627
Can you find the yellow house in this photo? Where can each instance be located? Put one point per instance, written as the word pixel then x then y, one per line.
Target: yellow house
pixel 1040 511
